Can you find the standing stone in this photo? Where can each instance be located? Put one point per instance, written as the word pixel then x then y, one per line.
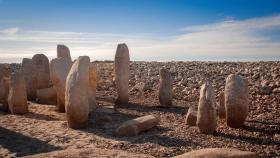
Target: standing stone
pixel 42 70
pixel 17 98
pixel 135 126
pixel 46 96
pixel 63 52
pixel 5 71
pixel 28 69
pixel 191 117
pixel 76 93
pixel 122 73
pixel 92 86
pixel 59 68
pixel 4 92
pixel 206 115
pixel 165 88
pixel 222 110
pixel 236 100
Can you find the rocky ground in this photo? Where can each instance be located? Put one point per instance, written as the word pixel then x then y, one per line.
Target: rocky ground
pixel 43 130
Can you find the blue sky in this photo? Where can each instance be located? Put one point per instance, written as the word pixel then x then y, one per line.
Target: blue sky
pixel 153 29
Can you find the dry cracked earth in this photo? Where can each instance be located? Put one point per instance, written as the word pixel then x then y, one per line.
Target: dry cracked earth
pixel 43 130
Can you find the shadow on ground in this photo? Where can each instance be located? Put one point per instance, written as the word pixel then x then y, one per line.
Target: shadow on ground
pixel 23 145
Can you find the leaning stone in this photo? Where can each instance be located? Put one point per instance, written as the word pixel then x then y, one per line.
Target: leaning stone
pixel 206 115
pixel 165 88
pixel 42 70
pixel 217 153
pixel 135 126
pixel 46 96
pixel 4 93
pixel 122 73
pixel 222 111
pixel 191 117
pixel 76 93
pixel 63 52
pixel 29 72
pixel 17 98
pixel 59 68
pixel 236 100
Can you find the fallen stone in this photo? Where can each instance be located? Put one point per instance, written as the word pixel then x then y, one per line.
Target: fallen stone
pixel 91 152
pixel 135 126
pixel 218 153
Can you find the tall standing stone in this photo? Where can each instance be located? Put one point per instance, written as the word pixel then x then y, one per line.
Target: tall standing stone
pixel 76 93
pixel 206 114
pixel 42 70
pixel 63 52
pixel 165 88
pixel 4 92
pixel 17 98
pixel 222 110
pixel 92 86
pixel 59 68
pixel 29 72
pixel 236 100
pixel 122 73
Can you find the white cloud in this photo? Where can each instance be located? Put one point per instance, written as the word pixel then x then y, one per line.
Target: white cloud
pixel 229 39
pixel 9 31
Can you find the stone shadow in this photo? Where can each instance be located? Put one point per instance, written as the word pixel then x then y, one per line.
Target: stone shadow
pixel 23 145
pixel 251 140
pixel 38 116
pixel 144 108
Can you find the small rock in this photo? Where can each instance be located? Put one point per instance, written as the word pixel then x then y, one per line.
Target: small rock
pixel 191 117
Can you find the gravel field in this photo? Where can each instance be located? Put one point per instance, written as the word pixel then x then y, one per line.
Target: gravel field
pixel 44 130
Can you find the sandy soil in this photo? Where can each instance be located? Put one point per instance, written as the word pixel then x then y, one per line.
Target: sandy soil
pixel 44 130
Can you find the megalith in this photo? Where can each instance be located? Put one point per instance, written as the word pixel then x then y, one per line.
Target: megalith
pixel 165 88
pixel 63 52
pixel 42 70
pixel 29 72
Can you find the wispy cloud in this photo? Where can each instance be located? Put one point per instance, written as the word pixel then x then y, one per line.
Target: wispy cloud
pixel 229 39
